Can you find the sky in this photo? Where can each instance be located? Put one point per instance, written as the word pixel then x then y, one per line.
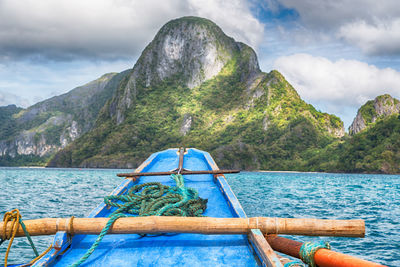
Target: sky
pixel 337 54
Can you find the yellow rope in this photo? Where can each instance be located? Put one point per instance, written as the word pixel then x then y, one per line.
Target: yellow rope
pixel 71 225
pixel 13 217
pixel 41 255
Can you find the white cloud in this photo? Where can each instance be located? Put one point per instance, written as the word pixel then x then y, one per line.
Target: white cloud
pixel 371 25
pixel 337 86
pixel 25 83
pixel 107 29
pixel 377 38
pixel 334 14
pixel 8 99
pixel 234 17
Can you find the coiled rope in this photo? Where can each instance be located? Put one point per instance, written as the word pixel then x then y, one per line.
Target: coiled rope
pixel 151 199
pixel 14 218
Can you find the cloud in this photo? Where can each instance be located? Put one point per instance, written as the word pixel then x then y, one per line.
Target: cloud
pixel 234 17
pixel 333 14
pixel 337 86
pixel 371 25
pixel 374 39
pixel 8 99
pixel 106 29
pixel 25 83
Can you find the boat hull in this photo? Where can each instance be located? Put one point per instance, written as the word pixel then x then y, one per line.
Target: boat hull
pixel 168 249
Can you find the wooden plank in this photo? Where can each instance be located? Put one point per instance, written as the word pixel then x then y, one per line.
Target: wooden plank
pixel 181 155
pixel 230 196
pixel 263 249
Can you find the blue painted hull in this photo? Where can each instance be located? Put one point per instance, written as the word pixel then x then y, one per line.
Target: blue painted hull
pixel 171 249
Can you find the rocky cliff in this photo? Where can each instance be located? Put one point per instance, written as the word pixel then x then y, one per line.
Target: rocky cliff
pixel 197 87
pixel 50 125
pixel 191 50
pixel 374 110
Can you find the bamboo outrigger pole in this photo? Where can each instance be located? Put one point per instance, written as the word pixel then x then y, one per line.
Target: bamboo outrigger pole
pixel 200 225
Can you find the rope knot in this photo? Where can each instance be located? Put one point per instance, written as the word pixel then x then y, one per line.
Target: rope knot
pixel 308 250
pixel 14 217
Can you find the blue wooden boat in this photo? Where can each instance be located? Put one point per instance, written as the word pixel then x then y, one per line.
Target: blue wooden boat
pixel 169 249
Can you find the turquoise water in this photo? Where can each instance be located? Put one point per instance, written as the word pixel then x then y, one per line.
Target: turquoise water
pixel 42 193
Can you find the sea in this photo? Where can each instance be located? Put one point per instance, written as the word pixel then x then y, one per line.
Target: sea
pixel 40 192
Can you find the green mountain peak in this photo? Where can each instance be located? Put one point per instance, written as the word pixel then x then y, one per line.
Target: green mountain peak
pixel 372 111
pixel 190 50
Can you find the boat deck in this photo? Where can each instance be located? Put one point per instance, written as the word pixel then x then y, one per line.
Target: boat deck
pixel 169 249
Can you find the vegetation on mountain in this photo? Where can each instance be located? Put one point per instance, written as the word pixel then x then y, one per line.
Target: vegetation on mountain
pixel 7 121
pixel 267 127
pixel 375 149
pixel 30 136
pixel 374 110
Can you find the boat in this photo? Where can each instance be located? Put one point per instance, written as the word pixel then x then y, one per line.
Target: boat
pixel 164 250
pixel 185 245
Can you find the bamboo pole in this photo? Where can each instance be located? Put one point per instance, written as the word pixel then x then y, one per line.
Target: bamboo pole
pixel 200 225
pixel 323 257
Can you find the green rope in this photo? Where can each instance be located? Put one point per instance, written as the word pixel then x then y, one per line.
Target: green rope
pixel 151 199
pixel 308 250
pixel 28 236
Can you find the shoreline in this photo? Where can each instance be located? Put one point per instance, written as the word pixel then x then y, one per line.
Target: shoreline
pixel 286 171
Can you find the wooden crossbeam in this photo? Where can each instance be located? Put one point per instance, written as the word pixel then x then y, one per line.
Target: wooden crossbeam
pixel 183 172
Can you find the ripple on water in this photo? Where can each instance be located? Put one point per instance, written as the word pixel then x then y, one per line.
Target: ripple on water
pixel 374 198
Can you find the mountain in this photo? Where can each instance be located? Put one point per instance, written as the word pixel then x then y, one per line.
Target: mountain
pixel 375 149
pixel 375 144
pixel 379 108
pixel 197 87
pixel 372 147
pixel 32 135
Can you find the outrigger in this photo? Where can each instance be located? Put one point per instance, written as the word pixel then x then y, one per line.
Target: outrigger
pixel 193 219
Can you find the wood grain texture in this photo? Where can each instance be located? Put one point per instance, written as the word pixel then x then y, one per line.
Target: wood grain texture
pixel 200 225
pixel 267 255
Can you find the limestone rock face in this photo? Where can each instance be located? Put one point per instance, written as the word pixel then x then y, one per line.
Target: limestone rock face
pixel 190 49
pixel 52 124
pixel 358 124
pixel 186 124
pixel 382 106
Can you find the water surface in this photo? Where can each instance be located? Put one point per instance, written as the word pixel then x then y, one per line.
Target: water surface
pixel 42 193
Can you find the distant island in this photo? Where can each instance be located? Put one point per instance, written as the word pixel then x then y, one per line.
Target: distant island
pixel 194 86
